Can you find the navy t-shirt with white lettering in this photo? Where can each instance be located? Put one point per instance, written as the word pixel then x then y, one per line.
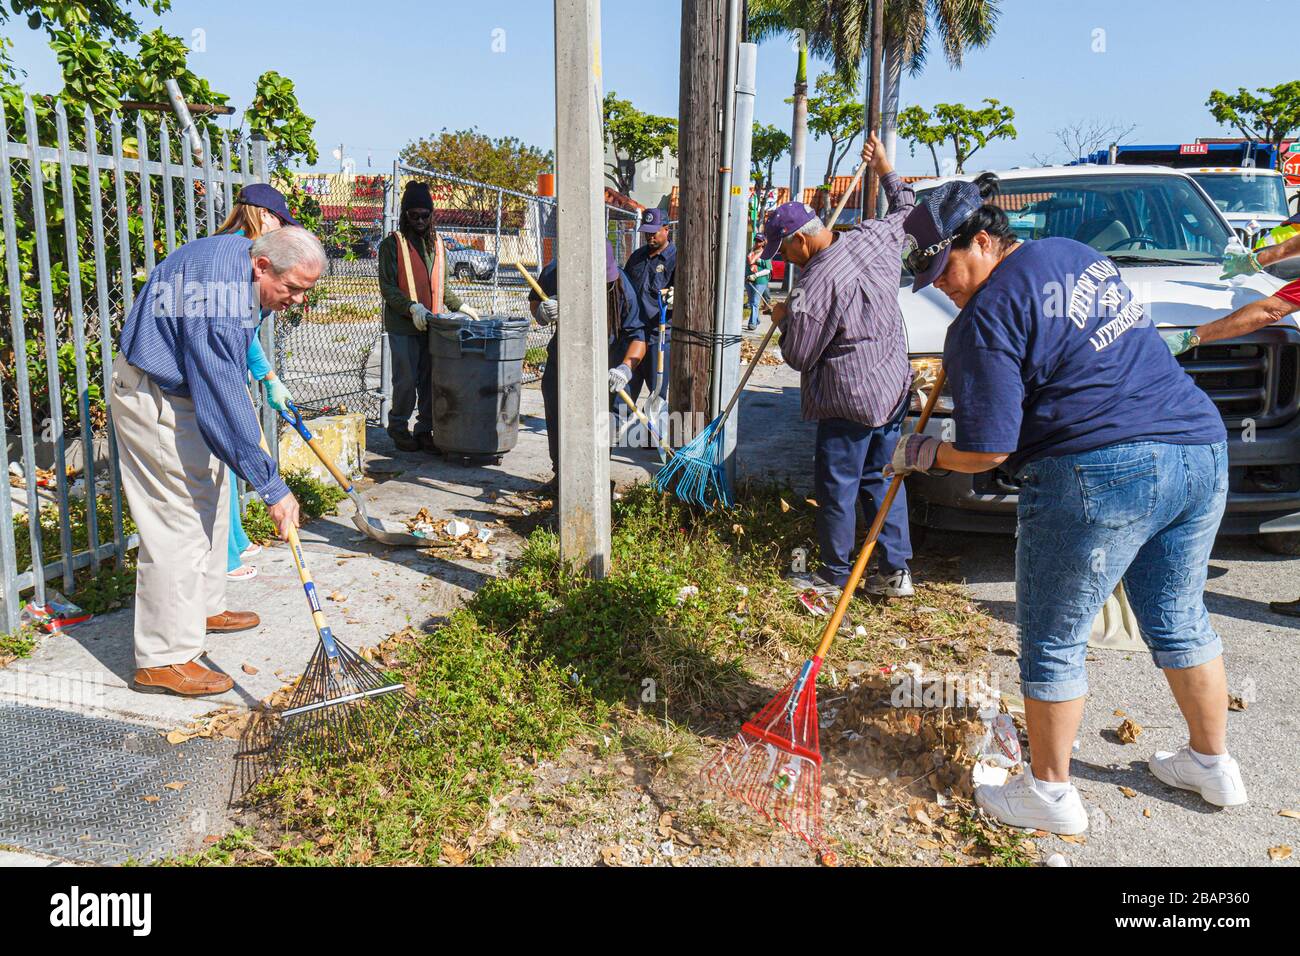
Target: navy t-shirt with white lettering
pixel 1052 356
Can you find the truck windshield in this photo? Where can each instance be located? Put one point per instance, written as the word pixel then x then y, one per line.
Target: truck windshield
pixel 1245 193
pixel 1139 217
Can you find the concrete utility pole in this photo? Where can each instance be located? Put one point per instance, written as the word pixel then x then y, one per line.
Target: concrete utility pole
pixel 737 245
pixel 870 207
pixel 704 58
pixel 580 268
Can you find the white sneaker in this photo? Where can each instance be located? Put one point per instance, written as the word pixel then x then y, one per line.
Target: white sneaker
pixel 1220 784
pixel 1018 803
pixel 898 584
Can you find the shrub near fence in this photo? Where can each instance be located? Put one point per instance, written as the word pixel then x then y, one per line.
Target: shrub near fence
pixel 87 207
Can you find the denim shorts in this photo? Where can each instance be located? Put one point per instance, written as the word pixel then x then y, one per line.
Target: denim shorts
pixel 1143 512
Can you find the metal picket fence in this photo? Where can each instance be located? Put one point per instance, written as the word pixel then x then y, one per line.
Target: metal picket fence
pixel 82 222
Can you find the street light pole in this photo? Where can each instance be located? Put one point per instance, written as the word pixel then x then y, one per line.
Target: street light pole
pixel 580 266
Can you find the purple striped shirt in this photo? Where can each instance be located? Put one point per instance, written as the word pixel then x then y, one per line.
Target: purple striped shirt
pixel 844 331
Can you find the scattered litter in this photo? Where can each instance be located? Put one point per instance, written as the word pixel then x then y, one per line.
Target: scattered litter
pixel 984 775
pixel 1128 792
pixel 1128 731
pixel 1293 814
pixel 338 596
pixel 686 593
pixel 1056 859
pixel 484 535
pixel 55 614
pixel 456 528
pixel 1001 743
pixel 1279 853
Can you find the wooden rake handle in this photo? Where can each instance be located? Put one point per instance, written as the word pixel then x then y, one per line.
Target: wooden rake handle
pixel 528 277
pixel 627 399
pixel 868 546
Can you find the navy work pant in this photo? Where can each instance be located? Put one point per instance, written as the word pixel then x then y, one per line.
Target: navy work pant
pixel 849 466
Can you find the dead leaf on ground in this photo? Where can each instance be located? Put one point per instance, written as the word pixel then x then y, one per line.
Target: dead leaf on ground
pixel 151 798
pixel 249 669
pixel 1293 814
pixel 175 785
pixel 1069 838
pixel 785 506
pixel 1146 812
pixel 611 855
pixel 1282 852
pixel 1128 792
pixel 1235 702
pixel 453 855
pixel 1128 731
pixel 1120 713
pixel 338 596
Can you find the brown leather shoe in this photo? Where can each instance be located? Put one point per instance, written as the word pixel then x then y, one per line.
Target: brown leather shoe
pixel 190 680
pixel 229 621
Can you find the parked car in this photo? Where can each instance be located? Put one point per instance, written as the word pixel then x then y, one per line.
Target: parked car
pixel 1252 200
pixel 466 262
pixel 1167 239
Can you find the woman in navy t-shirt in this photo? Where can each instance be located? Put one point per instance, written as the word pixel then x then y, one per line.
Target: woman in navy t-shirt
pixel 1058 375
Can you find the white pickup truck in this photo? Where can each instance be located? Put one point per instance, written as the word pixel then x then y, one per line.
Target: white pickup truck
pixel 1167 239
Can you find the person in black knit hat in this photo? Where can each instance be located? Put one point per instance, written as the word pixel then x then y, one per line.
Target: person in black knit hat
pixel 413 280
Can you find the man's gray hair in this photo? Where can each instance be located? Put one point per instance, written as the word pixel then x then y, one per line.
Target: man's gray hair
pixel 810 228
pixel 290 246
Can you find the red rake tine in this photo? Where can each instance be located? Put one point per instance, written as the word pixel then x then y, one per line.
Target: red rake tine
pixel 751 767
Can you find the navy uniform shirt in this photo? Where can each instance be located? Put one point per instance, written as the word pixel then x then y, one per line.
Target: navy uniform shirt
pixel 1053 356
pixel 650 274
pixel 631 328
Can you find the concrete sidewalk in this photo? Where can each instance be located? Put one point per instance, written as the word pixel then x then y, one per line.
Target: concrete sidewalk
pixel 386 589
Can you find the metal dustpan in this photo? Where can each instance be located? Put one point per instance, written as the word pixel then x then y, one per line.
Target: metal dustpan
pixel 385 532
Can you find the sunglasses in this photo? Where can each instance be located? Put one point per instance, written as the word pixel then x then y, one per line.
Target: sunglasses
pixel 918 260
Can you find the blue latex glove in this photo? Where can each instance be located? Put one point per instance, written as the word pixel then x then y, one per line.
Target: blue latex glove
pixel 277 396
pixel 1179 342
pixel 1239 264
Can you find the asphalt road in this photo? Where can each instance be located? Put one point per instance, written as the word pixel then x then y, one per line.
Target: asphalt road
pixel 1262 654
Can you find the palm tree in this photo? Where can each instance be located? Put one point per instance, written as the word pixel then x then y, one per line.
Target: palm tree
pixel 840 31
pixel 771 18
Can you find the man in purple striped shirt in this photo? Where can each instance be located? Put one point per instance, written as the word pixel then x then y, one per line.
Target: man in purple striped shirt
pixel 841 328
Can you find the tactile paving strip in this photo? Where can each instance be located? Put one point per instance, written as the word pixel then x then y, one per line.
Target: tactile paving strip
pixel 82 788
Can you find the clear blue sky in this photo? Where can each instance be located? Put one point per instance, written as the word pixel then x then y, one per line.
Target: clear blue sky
pixel 380 73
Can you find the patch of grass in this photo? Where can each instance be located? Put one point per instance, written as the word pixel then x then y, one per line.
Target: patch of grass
pixel 1003 846
pixel 17 645
pixel 692 615
pixel 315 498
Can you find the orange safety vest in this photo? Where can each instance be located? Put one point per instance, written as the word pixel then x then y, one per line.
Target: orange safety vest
pixel 415 279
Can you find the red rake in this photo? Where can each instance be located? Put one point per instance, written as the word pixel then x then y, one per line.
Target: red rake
pixel 774 764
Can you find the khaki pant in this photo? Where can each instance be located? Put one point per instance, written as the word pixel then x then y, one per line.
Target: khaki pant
pixel 176 489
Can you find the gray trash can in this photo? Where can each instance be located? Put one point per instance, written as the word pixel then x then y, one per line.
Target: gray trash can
pixel 477 369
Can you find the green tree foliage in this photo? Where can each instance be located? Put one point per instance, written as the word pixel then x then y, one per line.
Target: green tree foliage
pixel 633 136
pixel 835 113
pixel 275 114
pixel 770 144
pixel 104 58
pixel 468 154
pixel 1266 118
pixel 966 130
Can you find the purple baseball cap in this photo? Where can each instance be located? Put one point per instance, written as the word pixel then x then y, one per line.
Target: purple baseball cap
pixel 930 226
pixel 785 220
pixel 269 198
pixel 652 220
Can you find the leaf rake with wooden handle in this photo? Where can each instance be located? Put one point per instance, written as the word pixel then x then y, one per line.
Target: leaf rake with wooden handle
pixel 775 763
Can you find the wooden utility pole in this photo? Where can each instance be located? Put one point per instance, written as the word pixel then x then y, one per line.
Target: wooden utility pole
pixel 580 274
pixel 699 153
pixel 869 208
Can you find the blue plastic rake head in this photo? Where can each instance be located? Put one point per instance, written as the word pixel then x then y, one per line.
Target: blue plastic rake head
pixel 696 474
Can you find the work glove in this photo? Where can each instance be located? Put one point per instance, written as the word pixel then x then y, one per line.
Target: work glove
pixel 420 316
pixel 913 453
pixel 619 377
pixel 548 310
pixel 668 297
pixel 277 396
pixel 470 311
pixel 1180 342
pixel 1239 264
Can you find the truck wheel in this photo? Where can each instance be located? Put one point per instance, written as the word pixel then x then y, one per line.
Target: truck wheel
pixel 1285 543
